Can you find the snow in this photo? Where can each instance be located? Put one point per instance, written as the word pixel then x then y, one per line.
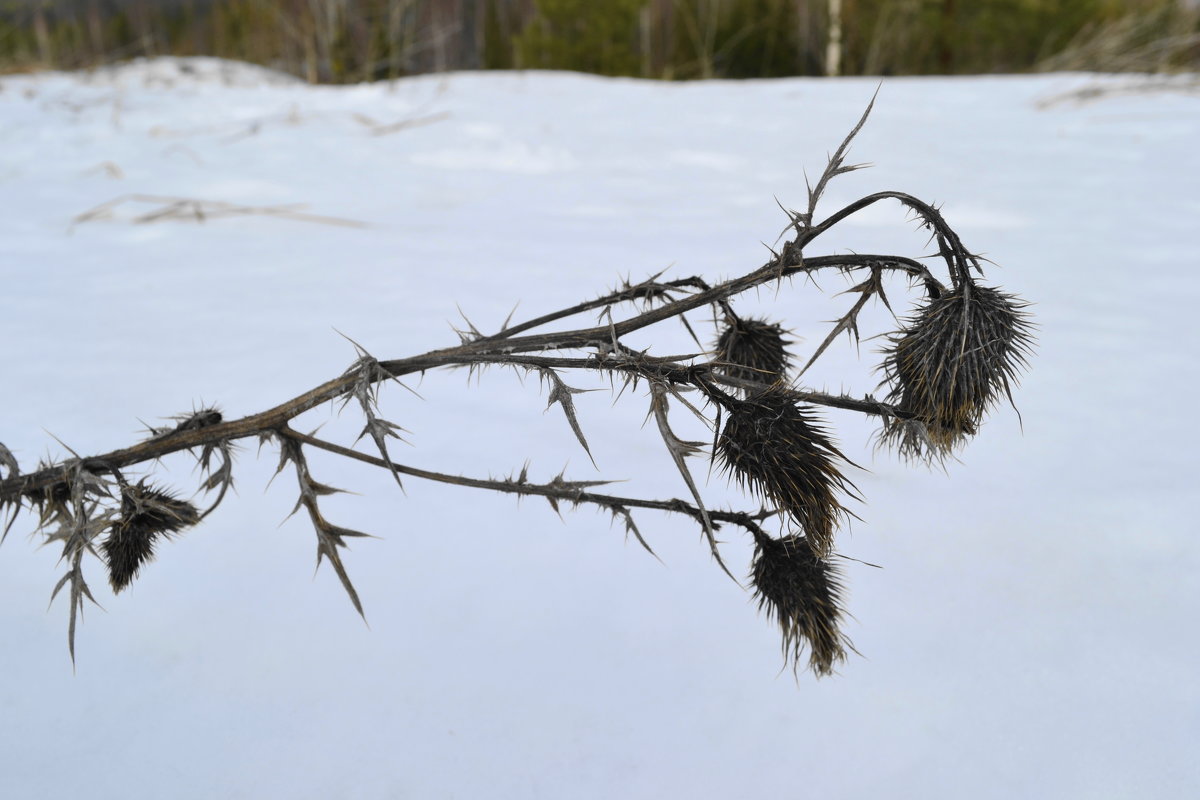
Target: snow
pixel 1031 634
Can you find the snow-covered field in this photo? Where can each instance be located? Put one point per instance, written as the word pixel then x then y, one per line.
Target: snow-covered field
pixel 1032 632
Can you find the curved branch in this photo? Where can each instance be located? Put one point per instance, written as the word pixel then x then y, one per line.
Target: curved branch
pixel 958 259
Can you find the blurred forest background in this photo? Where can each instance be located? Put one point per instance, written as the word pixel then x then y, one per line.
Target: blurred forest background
pixel 340 41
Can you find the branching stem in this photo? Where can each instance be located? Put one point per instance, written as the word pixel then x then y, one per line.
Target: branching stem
pixel 771 441
pixel 498 351
pixel 569 491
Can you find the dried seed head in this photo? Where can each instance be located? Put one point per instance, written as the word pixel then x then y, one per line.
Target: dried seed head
pixel 52 502
pixel 204 418
pixel 803 594
pixel 146 514
pixel 774 446
pixel 950 364
pixel 752 350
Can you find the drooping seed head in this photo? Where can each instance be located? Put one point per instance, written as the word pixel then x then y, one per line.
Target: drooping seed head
pixel 776 447
pixel 752 350
pixel 802 593
pixel 949 365
pixel 146 514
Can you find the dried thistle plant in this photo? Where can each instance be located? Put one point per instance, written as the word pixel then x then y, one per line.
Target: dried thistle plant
pixel 802 593
pixel 52 502
pixel 752 350
pixel 773 445
pixel 194 210
pixel 950 364
pixel 147 514
pixel 945 368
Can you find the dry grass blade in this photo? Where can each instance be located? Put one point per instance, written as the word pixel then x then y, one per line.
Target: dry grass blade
pixel 1146 40
pixel 386 129
pixel 189 209
pixel 1141 85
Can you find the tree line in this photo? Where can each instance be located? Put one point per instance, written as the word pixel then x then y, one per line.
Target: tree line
pixel 340 41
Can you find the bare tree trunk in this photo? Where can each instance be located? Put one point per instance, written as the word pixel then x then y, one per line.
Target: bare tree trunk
pixel 95 27
pixel 833 43
pixel 644 27
pixel 946 36
pixel 42 35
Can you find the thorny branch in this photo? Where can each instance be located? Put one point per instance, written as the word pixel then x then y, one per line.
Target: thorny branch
pixel 495 349
pixel 558 489
pixel 944 370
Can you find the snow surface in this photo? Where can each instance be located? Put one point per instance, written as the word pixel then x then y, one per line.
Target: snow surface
pixel 1032 632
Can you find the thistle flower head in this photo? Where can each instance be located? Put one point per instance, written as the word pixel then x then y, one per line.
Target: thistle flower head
pixel 950 364
pixel 752 350
pixel 204 418
pixel 802 593
pixel 52 502
pixel 776 447
pixel 146 514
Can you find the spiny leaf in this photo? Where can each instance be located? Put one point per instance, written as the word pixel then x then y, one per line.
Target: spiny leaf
pixel 220 478
pixel 9 461
pixel 847 324
pixel 679 450
pixel 79 592
pixel 327 547
pixel 365 390
pixel 561 393
pixel 631 527
pixel 472 333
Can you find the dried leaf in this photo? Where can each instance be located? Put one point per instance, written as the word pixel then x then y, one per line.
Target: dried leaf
pixel 561 393
pixel 9 462
pixel 679 450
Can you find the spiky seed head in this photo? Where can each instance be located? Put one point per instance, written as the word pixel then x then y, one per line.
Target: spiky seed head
pixel 52 502
pixel 774 446
pixel 146 514
pixel 204 418
pixel 802 593
pixel 752 350
pixel 951 362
